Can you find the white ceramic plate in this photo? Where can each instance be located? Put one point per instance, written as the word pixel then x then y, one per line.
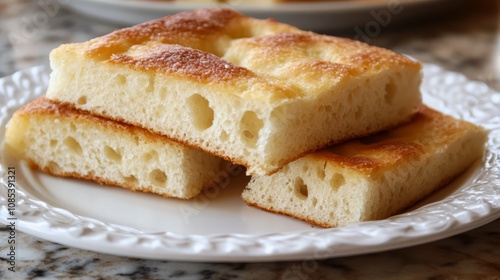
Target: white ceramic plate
pixel 329 15
pixel 218 226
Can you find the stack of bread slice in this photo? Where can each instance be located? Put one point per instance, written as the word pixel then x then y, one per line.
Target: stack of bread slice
pixel 201 86
pixel 372 177
pixel 65 141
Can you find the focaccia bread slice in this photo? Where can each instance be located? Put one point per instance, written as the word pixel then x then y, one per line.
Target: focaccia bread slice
pixel 256 92
pixel 373 177
pixel 71 143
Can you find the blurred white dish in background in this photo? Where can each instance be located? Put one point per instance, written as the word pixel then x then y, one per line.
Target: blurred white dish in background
pixel 369 16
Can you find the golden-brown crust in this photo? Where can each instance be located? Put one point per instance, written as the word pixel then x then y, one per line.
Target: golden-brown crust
pixel 184 61
pixel 308 46
pixel 388 148
pixel 321 154
pixel 182 28
pixel 290 41
pixel 295 63
pixel 337 70
pixel 190 43
pixel 46 107
pixel 375 58
pixel 391 153
pixel 42 107
pixel 284 40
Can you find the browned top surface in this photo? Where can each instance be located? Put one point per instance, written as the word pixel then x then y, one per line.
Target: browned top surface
pixel 427 133
pixel 224 47
pixel 186 28
pixel 185 61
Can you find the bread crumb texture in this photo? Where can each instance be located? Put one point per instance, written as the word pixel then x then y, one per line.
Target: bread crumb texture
pixel 68 142
pixel 256 92
pixel 373 177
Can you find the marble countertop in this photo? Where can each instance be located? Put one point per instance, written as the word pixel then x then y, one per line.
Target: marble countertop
pixel 467 41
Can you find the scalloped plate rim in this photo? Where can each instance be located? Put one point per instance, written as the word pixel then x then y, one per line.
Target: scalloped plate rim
pixel 43 229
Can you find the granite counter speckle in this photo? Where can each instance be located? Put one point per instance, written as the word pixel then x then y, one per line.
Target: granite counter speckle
pixel 472 255
pixel 468 42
